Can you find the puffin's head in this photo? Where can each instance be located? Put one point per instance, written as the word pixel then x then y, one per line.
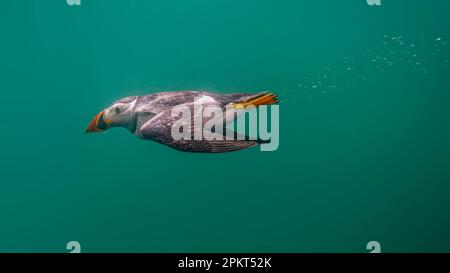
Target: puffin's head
pixel 119 114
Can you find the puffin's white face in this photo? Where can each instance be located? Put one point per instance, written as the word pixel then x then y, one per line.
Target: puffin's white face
pixel 118 114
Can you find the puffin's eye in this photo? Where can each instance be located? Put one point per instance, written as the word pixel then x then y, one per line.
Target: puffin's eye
pixel 117 110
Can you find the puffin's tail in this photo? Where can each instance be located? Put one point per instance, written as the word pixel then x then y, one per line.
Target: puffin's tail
pixel 266 98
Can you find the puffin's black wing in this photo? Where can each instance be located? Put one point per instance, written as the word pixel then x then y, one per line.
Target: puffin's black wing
pixel 159 129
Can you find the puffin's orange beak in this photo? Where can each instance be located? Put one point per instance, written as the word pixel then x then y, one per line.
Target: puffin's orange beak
pixel 98 124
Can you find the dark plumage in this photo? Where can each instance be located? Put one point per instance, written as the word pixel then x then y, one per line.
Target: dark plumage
pixel 149 117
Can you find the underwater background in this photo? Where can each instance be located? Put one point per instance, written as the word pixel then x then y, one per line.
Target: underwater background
pixel 364 149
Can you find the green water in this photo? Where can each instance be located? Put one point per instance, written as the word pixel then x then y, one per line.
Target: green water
pixel 364 126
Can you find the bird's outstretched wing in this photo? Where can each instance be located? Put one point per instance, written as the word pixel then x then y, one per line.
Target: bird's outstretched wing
pixel 159 129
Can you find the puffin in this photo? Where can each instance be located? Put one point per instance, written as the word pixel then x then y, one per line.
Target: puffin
pixel 149 117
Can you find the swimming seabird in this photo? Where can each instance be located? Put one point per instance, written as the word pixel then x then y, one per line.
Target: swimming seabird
pixel 150 117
